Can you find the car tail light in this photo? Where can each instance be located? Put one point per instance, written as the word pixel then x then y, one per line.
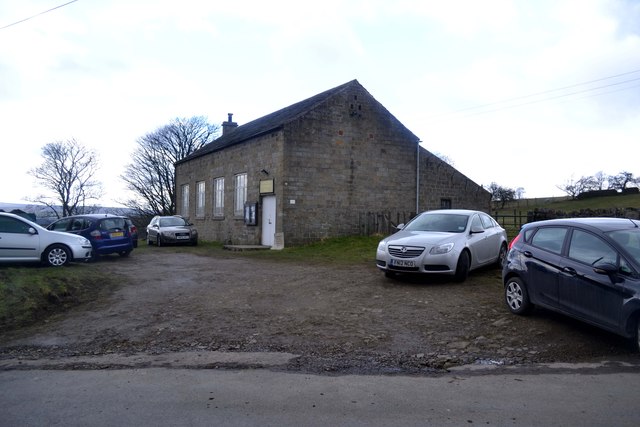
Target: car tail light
pixel 96 235
pixel 515 239
pixel 133 229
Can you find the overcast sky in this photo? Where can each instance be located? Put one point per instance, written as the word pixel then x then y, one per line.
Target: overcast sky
pixel 523 93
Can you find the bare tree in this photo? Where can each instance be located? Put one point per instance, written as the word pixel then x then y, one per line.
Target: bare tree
pixel 585 183
pixel 600 178
pixel 501 194
pixel 151 175
pixel 622 180
pixel 68 172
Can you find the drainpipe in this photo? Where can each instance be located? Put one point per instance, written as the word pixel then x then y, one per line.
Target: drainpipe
pixel 418 177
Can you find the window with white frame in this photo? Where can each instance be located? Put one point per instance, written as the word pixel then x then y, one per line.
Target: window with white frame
pixel 185 199
pixel 200 190
pixel 240 194
pixel 218 197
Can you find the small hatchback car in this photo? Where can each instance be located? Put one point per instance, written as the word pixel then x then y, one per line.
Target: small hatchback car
pixel 23 240
pixel 163 230
pixel 108 234
pixel 586 268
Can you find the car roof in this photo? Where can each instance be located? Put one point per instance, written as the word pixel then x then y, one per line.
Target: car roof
pixel 94 216
pixel 597 223
pixel 12 215
pixel 454 211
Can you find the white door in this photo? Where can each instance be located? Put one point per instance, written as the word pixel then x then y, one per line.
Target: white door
pixel 268 220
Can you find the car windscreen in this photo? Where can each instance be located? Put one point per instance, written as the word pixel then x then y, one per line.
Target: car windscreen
pixel 172 222
pixel 447 223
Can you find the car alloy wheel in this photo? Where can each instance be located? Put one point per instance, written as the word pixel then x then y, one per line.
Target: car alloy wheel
pixel 57 255
pixel 516 296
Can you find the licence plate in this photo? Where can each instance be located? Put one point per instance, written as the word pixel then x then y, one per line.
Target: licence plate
pixel 402 263
pixel 117 234
pixel 182 237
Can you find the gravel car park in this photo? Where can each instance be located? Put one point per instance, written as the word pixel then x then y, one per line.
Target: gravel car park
pixel 335 319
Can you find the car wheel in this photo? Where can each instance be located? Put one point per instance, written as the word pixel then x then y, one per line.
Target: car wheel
pixel 159 241
pixel 502 256
pixel 194 243
pixel 124 253
pixel 462 268
pixel 516 296
pixel 149 242
pixel 57 255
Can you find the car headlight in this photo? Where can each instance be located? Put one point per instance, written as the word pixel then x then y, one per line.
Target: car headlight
pixel 441 249
pixel 382 246
pixel 83 241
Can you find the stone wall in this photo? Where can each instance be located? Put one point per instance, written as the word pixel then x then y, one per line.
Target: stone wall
pixel 344 157
pixel 251 157
pixel 440 181
pixel 347 156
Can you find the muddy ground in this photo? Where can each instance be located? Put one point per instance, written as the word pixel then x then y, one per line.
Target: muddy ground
pixel 334 319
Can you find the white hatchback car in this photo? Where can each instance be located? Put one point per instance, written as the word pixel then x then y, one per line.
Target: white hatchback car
pixel 451 241
pixel 23 240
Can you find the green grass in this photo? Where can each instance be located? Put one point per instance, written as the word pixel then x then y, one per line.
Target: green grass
pixel 338 250
pixel 565 204
pixel 32 292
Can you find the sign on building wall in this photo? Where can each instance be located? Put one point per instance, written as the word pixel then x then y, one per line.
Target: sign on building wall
pixel 266 186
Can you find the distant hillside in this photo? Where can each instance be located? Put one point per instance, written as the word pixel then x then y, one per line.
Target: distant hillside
pixel 568 205
pixel 46 215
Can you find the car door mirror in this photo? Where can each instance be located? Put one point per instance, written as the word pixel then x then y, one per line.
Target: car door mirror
pixel 32 231
pixel 607 268
pixel 475 229
pixel 399 226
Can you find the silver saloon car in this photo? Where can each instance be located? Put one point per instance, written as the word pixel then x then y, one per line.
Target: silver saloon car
pixel 23 240
pixel 448 242
pixel 174 229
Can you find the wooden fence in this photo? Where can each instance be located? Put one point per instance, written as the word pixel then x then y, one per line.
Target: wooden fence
pixel 384 223
pixel 512 221
pixel 517 219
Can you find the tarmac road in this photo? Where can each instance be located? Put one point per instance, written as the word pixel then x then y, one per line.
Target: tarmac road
pixel 556 395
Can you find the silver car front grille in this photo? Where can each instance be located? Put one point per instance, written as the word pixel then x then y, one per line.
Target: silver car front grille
pixel 405 251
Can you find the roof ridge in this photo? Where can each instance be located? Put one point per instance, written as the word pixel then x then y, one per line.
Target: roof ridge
pixel 270 121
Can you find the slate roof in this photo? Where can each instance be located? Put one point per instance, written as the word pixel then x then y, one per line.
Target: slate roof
pixel 269 122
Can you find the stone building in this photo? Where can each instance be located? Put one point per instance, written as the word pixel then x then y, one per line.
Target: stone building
pixel 316 169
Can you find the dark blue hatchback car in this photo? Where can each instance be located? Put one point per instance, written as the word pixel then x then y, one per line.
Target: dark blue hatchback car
pixel 586 268
pixel 108 234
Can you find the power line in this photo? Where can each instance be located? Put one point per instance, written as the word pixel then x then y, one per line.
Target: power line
pixel 38 14
pixel 510 101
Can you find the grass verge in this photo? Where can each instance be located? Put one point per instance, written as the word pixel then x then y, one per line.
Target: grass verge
pixel 338 250
pixel 30 293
